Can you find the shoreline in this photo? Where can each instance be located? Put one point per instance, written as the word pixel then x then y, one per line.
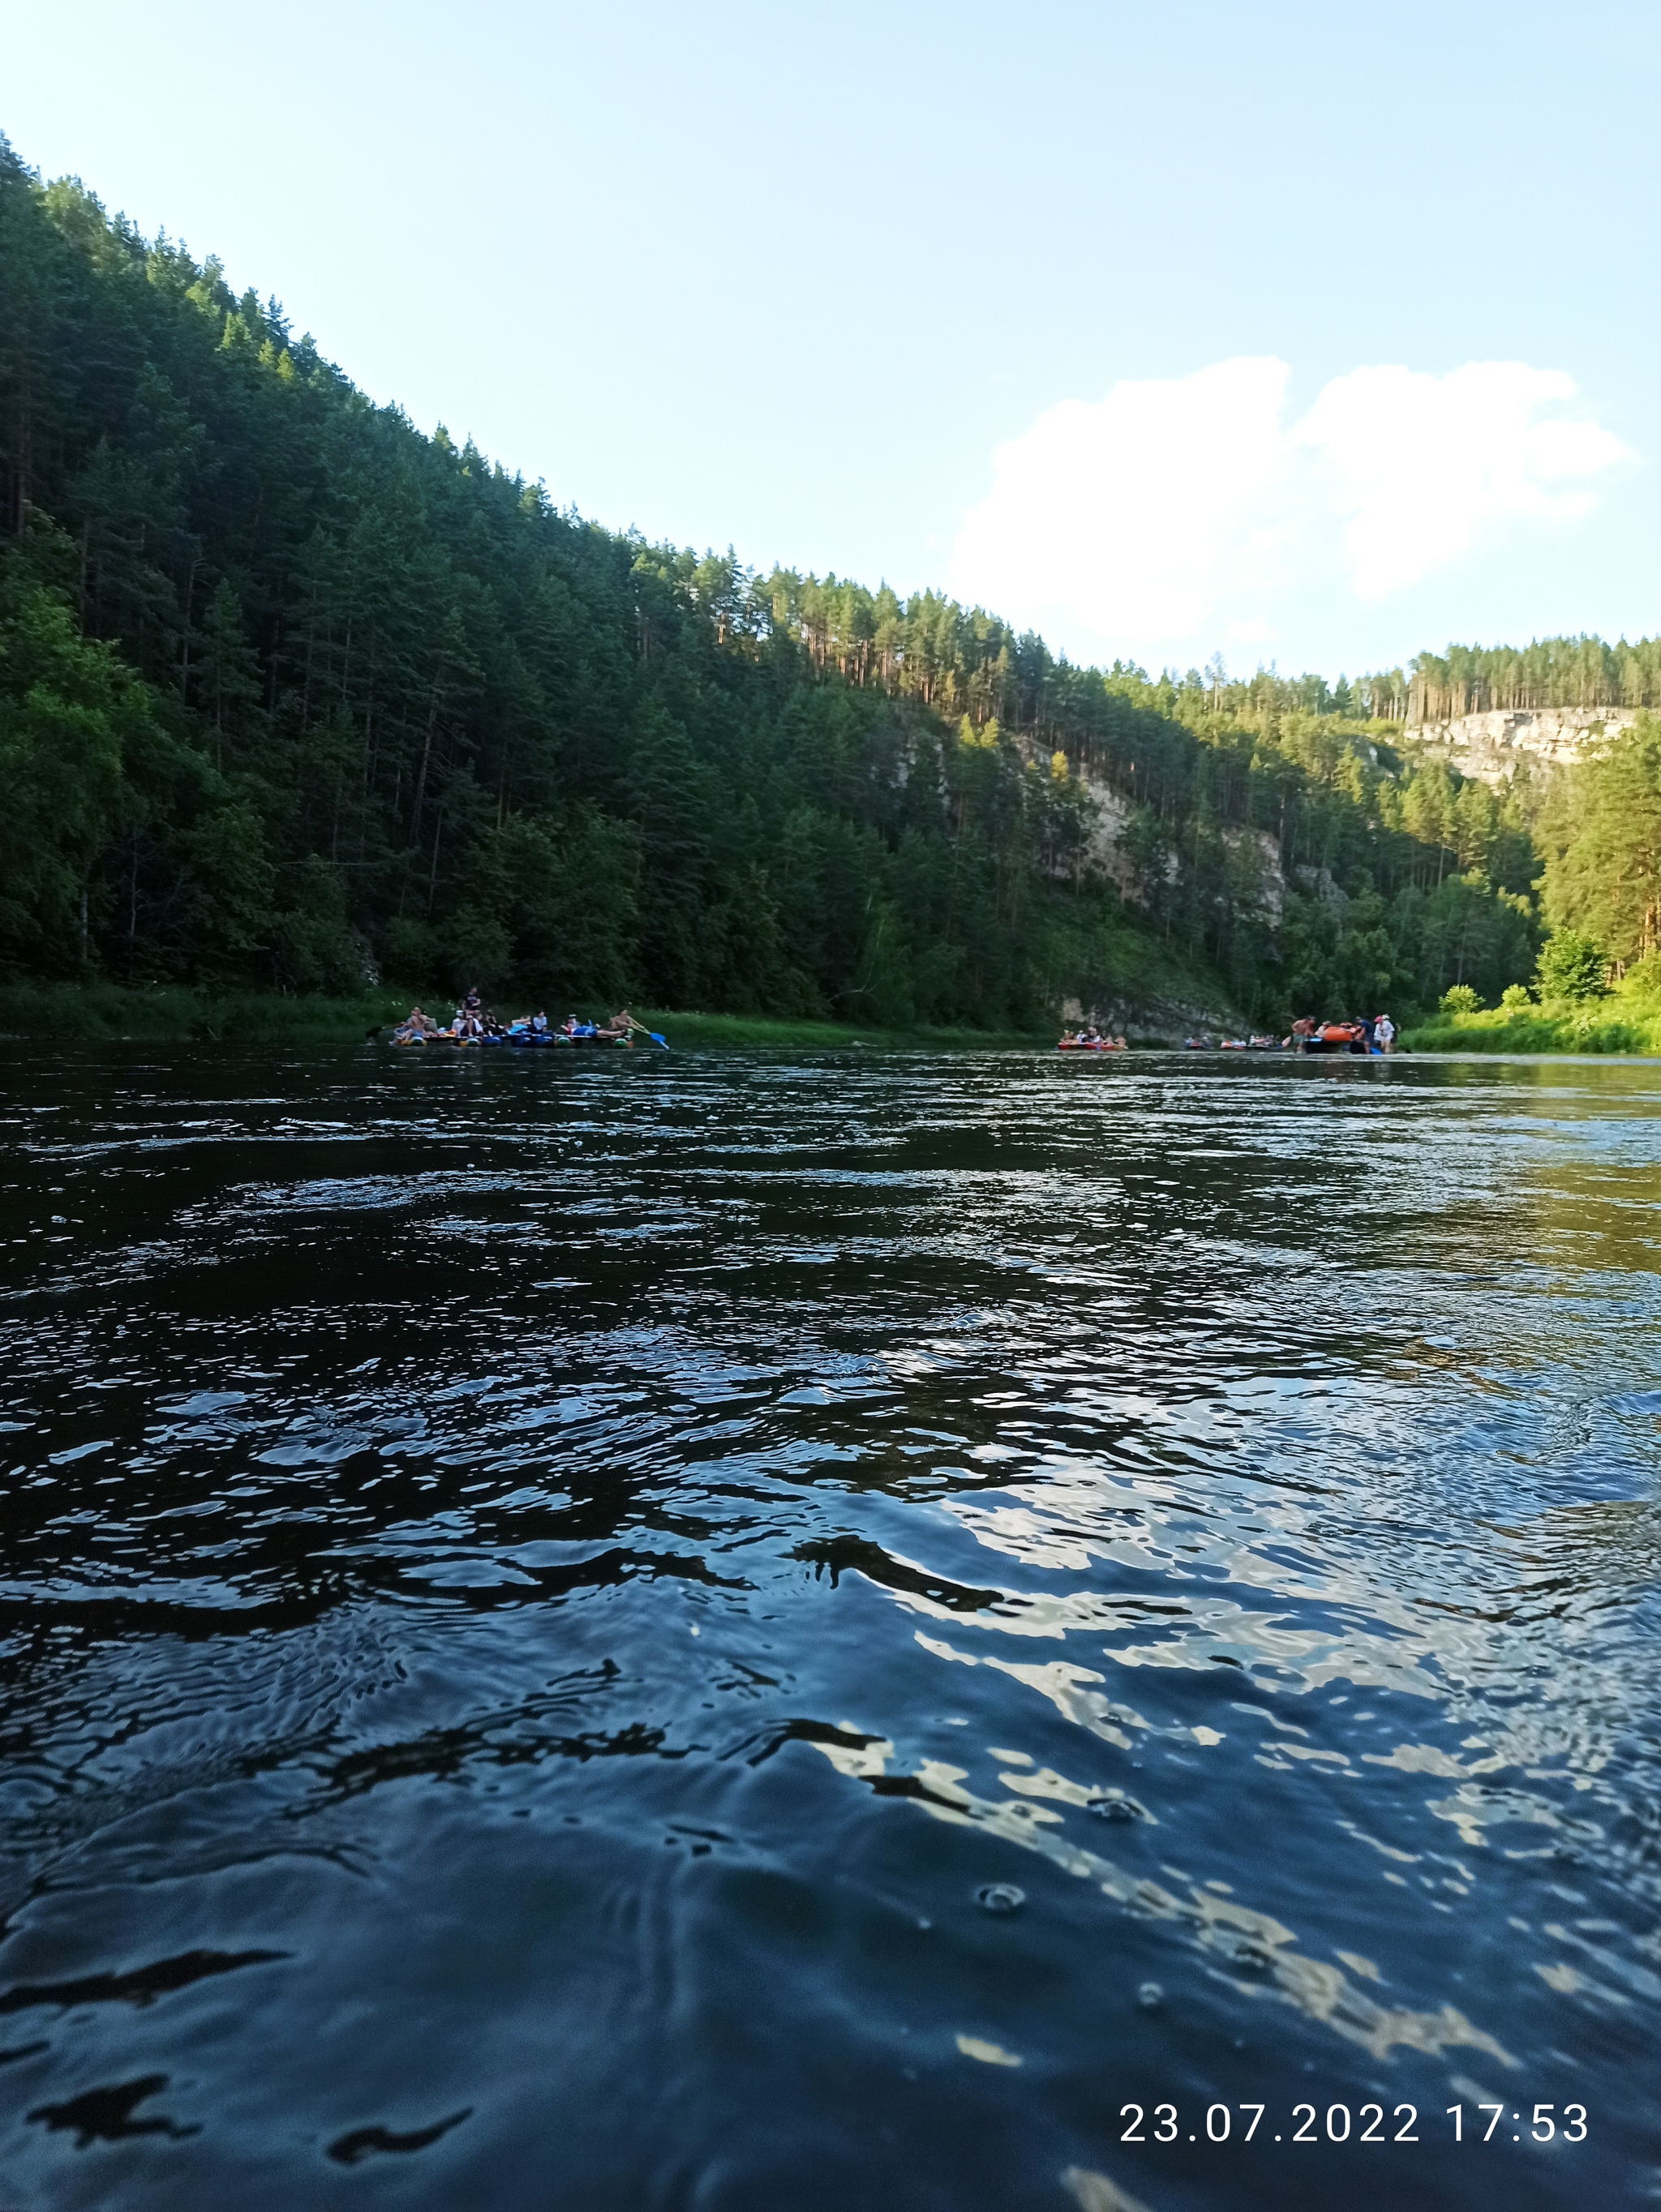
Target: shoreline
pixel 1616 1028
pixel 124 1013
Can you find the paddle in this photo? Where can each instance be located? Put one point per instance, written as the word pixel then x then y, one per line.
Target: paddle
pixel 645 1032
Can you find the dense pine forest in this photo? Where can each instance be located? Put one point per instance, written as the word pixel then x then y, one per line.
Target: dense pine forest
pixel 293 696
pixel 1551 672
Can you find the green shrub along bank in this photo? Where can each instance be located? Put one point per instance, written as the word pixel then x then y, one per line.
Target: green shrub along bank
pixel 1547 1029
pixel 1576 1006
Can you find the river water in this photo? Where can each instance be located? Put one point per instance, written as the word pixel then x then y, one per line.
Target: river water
pixel 751 1631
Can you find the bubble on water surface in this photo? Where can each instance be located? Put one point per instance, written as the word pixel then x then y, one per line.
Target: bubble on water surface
pixel 1000 1897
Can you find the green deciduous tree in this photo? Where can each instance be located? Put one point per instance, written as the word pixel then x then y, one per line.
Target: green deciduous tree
pixel 1571 966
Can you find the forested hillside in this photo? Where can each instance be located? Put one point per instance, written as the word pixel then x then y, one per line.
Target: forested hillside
pixel 292 695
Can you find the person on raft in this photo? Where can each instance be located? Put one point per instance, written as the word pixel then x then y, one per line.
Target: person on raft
pixel 415 1024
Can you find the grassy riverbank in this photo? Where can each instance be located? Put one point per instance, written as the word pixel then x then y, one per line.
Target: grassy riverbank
pixel 97 1013
pixel 1602 1025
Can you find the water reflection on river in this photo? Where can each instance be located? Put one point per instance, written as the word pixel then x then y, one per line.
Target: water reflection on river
pixel 731 1632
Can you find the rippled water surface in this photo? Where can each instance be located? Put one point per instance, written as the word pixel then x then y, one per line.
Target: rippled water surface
pixel 756 1632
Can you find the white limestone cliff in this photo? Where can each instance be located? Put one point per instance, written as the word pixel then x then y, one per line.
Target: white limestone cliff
pixel 1488 746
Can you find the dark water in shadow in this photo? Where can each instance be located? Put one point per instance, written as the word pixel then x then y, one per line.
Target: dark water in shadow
pixel 738 1633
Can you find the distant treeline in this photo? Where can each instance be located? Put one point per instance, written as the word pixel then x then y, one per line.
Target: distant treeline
pixel 1551 672
pixel 291 694
pixel 1466 679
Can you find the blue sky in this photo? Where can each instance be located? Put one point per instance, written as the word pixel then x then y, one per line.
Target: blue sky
pixel 1313 333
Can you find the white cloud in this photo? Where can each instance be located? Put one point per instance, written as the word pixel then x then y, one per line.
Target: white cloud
pixel 1173 515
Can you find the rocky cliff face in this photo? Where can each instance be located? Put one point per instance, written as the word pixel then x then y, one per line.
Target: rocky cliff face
pixel 1104 854
pixel 1489 746
pixel 1151 1016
